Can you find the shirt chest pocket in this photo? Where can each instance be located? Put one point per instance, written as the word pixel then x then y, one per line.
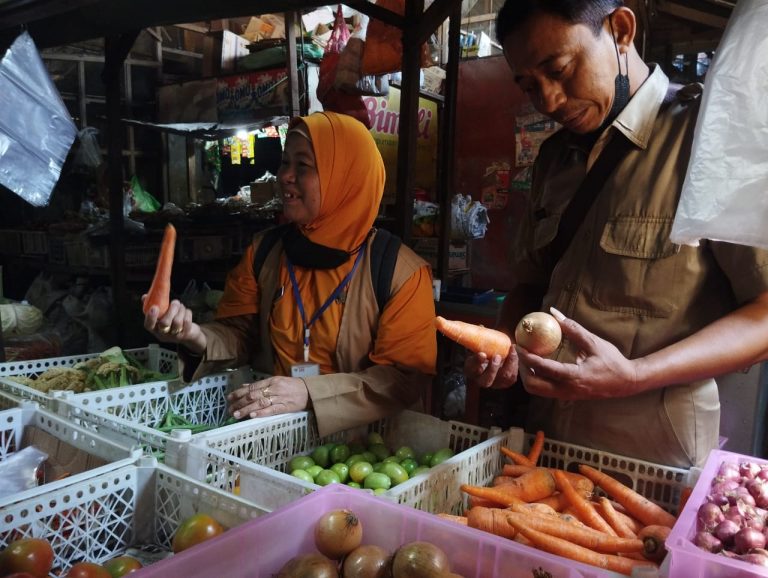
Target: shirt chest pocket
pixel 637 266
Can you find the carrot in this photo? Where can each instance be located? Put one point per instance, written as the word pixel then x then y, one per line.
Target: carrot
pixel 534 507
pixel 159 294
pixel 476 338
pixel 517 457
pixel 654 538
pixel 635 503
pixel 581 535
pixel 611 516
pixel 581 483
pixel 476 502
pixel 560 547
pixel 536 447
pixel 501 480
pixel 451 518
pixel 684 495
pixel 584 510
pixel 489 520
pixel 557 501
pixel 529 487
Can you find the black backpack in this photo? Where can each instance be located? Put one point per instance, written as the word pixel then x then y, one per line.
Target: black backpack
pixel 383 258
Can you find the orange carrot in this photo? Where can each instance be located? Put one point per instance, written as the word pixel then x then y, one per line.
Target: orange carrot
pixel 501 480
pixel 685 493
pixel 536 447
pixel 476 502
pixel 635 503
pixel 557 501
pixel 517 457
pixel 610 515
pixel 654 538
pixel 581 483
pixel 584 510
pixel 529 487
pixel 476 338
pixel 489 520
pixel 451 518
pixel 560 547
pixel 159 294
pixel 581 535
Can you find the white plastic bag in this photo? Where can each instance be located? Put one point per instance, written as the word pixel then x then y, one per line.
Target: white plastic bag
pixel 725 194
pixel 36 129
pixel 469 219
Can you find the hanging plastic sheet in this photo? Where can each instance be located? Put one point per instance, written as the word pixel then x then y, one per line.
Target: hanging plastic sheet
pixel 725 194
pixel 36 130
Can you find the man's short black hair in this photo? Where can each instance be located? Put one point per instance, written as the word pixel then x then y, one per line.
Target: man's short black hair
pixel 514 13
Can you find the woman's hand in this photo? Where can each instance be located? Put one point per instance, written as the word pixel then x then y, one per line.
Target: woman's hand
pixel 176 326
pixel 269 396
pixel 600 370
pixel 496 373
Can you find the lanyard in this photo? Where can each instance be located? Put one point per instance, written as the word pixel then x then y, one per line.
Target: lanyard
pixel 331 299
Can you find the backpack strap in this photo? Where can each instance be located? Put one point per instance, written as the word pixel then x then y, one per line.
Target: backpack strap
pixel 268 240
pixel 384 250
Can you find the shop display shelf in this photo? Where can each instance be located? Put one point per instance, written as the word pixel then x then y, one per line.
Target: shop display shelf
pixel 688 560
pixel 275 538
pixel 153 357
pixel 129 504
pixel 131 414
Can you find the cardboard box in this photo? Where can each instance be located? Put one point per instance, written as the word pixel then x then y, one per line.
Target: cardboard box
pixel 64 460
pixel 221 50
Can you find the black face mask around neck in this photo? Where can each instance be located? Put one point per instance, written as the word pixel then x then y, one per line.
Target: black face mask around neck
pixel 303 252
pixel 621 86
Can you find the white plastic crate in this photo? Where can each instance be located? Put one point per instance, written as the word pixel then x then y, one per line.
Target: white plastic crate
pixel 131 413
pixel 247 451
pixel 659 483
pixel 14 421
pixel 153 357
pixel 129 504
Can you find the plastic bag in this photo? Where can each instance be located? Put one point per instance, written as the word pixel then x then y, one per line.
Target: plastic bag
pixel 142 200
pixel 88 155
pixel 348 76
pixel 469 219
pixel 19 472
pixel 724 195
pixel 36 129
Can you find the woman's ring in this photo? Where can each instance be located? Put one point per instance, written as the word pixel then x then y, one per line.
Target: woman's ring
pixel 533 371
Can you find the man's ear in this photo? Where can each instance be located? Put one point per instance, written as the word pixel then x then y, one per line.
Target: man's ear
pixel 624 27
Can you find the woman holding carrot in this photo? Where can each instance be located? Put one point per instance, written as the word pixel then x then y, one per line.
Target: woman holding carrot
pixel 309 315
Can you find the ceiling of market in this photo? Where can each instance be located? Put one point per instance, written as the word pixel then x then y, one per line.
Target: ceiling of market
pixel 670 26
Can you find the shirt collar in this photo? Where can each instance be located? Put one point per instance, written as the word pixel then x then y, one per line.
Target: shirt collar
pixel 638 117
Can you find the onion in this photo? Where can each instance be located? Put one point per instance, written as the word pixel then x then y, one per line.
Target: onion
pixel 724 486
pixel 762 474
pixel 419 560
pixel 337 533
pixel 709 516
pixel 309 566
pixel 758 488
pixel 539 333
pixel 726 530
pixel 757 558
pixel 741 494
pixel 728 471
pixel 708 542
pixel 367 561
pixel 747 539
pixel 749 470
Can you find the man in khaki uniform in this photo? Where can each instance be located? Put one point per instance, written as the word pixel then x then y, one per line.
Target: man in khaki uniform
pixel 647 324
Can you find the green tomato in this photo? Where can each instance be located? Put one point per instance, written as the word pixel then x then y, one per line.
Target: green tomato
pixel 380 451
pixel 320 455
pixel 327 477
pixel 342 470
pixel 440 456
pixel 353 459
pixel 314 470
pixel 359 471
pixel 339 454
pixel 354 485
pixel 377 481
pixel 419 470
pixel 391 459
pixel 425 459
pixel 404 452
pixel 379 491
pixel 409 464
pixel 375 438
pixel 356 447
pixel 396 472
pixel 370 457
pixel 378 466
pixel 303 475
pixel 300 463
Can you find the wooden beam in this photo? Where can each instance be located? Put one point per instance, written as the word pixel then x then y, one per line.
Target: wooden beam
pixel 693 14
pixel 434 16
pixel 294 90
pixel 375 11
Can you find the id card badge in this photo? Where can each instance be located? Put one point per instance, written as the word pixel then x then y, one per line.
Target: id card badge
pixel 305 369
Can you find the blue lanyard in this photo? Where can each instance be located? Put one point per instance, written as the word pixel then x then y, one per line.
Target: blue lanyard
pixel 331 299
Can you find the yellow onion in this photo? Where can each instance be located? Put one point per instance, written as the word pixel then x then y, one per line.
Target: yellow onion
pixel 539 333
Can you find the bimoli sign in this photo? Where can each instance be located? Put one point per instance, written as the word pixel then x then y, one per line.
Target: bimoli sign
pixel 384 112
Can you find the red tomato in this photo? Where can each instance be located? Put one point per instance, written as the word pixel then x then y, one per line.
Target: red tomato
pixel 195 529
pixel 19 575
pixel 31 555
pixel 88 570
pixel 122 565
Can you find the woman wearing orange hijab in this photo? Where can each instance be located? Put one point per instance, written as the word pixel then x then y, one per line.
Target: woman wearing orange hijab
pixel 324 338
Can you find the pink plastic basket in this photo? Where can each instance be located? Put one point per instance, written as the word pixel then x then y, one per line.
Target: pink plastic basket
pixel 259 548
pixel 688 560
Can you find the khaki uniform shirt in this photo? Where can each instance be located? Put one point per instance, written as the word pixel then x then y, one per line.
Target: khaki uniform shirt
pixel 622 278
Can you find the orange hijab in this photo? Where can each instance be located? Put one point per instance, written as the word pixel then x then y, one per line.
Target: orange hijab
pixel 352 176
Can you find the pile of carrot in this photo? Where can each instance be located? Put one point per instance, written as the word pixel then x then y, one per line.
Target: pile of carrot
pixel 559 512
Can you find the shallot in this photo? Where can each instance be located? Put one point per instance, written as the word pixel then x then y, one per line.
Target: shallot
pixel 747 539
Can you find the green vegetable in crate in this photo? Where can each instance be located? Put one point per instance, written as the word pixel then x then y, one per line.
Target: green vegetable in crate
pixel 172 421
pixel 55 378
